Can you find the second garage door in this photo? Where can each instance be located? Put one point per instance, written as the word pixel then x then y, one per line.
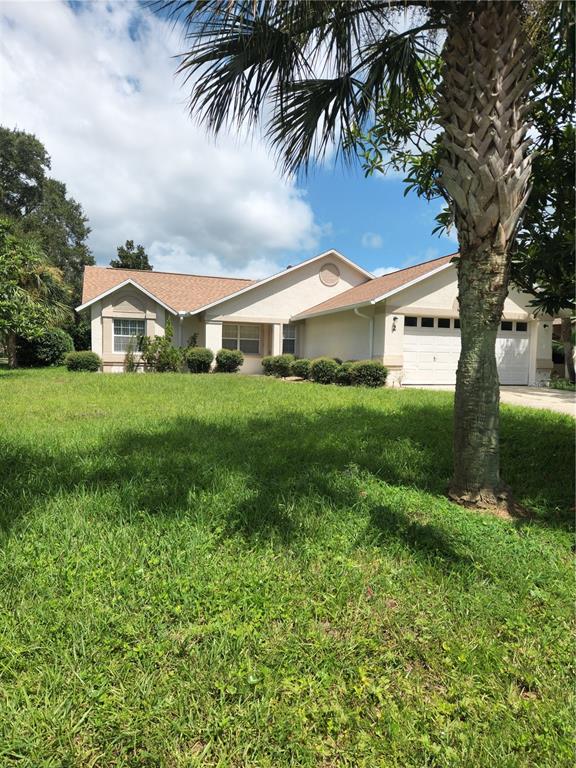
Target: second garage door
pixel 432 349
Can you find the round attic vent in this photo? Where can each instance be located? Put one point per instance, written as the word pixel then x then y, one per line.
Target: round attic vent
pixel 329 274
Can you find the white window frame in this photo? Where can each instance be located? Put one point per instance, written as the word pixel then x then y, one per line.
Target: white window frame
pixel 238 338
pixel 291 328
pixel 126 336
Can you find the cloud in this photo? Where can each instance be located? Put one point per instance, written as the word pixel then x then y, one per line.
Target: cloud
pixel 379 271
pixel 372 240
pixel 96 84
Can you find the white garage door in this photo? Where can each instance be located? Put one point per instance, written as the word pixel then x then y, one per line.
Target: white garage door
pixel 432 349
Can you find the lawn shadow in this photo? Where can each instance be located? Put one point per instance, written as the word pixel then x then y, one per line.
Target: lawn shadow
pixel 272 473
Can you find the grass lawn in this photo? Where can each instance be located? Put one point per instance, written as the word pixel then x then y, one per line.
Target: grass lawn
pixel 241 572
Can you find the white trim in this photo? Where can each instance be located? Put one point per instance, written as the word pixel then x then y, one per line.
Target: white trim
pixel 124 283
pixel 369 302
pixel 288 271
pixel 416 280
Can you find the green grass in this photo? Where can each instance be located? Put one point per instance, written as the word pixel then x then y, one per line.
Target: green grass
pixel 242 572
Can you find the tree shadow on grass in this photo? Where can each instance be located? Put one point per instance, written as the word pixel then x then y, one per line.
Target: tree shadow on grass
pixel 274 476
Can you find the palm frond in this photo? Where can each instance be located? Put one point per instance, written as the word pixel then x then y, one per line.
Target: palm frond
pixel 312 69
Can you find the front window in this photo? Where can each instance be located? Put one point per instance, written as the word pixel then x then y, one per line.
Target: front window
pixel 124 330
pixel 288 339
pixel 246 338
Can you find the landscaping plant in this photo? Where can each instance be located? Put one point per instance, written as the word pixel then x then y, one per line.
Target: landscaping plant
pixel 199 359
pixel 229 360
pixel 83 361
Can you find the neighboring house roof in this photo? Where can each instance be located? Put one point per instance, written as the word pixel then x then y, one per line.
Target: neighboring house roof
pixel 177 292
pixel 332 252
pixel 377 289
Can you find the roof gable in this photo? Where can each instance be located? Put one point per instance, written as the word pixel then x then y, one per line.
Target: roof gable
pixel 177 292
pixel 330 253
pixel 378 288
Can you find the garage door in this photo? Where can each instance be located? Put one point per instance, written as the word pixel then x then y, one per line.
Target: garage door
pixel 432 349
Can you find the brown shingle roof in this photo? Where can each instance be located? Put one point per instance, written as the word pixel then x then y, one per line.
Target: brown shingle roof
pixel 180 292
pixel 373 289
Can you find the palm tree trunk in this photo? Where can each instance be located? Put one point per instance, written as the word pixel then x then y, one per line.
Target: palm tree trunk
pixel 485 172
pixel 566 336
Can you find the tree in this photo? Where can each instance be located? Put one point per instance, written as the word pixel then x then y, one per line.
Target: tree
pixel 61 227
pixel 131 257
pixel 23 165
pixel 42 207
pixel 543 251
pixel 317 70
pixel 32 293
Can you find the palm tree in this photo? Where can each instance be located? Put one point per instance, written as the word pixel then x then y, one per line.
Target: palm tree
pixel 33 295
pixel 314 71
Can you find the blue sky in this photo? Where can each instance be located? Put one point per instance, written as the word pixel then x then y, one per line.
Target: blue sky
pixel 112 115
pixel 371 221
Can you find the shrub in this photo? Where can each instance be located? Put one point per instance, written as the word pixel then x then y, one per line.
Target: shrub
pixel 277 365
pixel 48 349
pixel 301 368
pixel 159 354
pixel 228 360
pixel 344 374
pixel 369 373
pixel 130 361
pixel 82 361
pixel 199 359
pixel 323 370
pixel 268 365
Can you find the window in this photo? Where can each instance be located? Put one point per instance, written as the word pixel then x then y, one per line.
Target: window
pixel 288 339
pixel 457 322
pixel 506 325
pixel 411 321
pixel 246 338
pixel 427 322
pixel 443 322
pixel 124 330
pixel 522 327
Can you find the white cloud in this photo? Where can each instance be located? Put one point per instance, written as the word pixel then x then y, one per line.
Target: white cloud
pixel 379 271
pixel 372 240
pixel 97 87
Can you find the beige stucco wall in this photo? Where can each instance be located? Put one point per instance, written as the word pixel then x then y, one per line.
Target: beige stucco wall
pixel 280 299
pixel 342 334
pixel 127 302
pixel 438 297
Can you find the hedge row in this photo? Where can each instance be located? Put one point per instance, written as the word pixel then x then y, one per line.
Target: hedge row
pixel 327 370
pixel 198 360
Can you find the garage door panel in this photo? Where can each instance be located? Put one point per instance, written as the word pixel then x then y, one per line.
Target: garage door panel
pixel 431 356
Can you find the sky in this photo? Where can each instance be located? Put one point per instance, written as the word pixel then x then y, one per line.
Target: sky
pixel 95 82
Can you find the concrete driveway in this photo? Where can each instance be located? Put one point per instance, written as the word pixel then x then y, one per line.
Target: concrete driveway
pixel 532 397
pixel 540 397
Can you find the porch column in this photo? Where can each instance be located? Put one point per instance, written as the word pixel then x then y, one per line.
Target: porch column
pixel 276 339
pixel 214 336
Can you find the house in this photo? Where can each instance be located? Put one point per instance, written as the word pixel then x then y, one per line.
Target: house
pixel 327 305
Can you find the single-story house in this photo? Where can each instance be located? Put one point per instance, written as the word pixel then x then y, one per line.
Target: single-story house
pixel 327 305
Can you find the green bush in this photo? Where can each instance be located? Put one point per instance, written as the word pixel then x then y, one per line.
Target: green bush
pixel 277 365
pixel 48 349
pixel 199 359
pixel 159 354
pixel 268 365
pixel 323 370
pixel 344 374
pixel 368 373
pixel 228 360
pixel 82 361
pixel 301 368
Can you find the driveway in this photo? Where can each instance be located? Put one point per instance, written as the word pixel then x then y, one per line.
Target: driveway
pixel 532 397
